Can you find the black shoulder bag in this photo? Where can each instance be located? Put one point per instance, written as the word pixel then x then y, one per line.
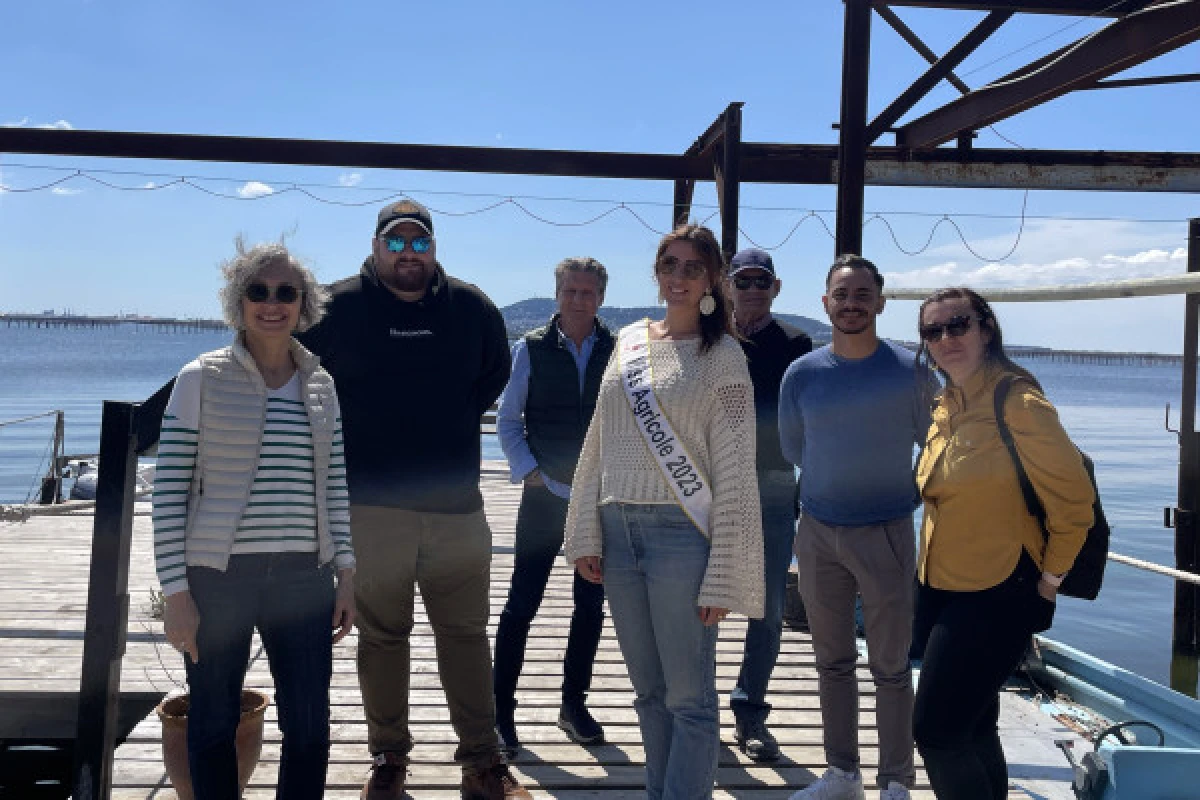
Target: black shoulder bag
pixel 1087 573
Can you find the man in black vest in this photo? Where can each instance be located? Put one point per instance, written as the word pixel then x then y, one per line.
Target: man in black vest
pixel 770 346
pixel 543 417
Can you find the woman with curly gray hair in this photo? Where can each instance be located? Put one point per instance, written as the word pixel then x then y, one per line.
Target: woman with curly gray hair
pixel 251 521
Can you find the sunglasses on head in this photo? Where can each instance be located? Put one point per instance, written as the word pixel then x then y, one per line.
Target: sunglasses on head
pixel 688 269
pixel 758 282
pixel 261 293
pixel 953 327
pixel 419 244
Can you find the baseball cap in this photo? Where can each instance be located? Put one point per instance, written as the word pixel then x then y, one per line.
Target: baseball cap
pixel 751 258
pixel 403 211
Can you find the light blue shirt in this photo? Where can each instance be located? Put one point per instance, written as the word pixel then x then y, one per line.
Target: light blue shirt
pixel 510 416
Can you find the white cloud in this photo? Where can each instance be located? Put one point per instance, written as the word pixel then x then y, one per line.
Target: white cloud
pixel 349 179
pixel 63 191
pixel 23 122
pixel 252 189
pixel 1070 270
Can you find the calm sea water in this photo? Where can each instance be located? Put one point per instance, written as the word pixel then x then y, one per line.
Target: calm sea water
pixel 1115 413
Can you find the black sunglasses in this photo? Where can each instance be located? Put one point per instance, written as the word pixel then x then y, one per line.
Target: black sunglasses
pixel 261 293
pixel 760 282
pixel 953 327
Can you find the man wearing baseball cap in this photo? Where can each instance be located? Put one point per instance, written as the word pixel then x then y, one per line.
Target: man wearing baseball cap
pixel 418 357
pixel 770 346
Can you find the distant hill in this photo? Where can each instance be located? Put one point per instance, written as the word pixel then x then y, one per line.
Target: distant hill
pixel 529 314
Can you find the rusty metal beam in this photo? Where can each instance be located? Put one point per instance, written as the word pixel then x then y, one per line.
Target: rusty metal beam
pixel 936 72
pixel 761 162
pixel 1124 43
pixel 727 168
pixel 978 168
pixel 705 142
pixel 914 41
pixel 1082 8
pixel 1152 80
pixel 376 155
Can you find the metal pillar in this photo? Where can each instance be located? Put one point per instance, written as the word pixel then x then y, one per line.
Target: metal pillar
pixel 108 604
pixel 728 169
pixel 684 190
pixel 852 140
pixel 1185 640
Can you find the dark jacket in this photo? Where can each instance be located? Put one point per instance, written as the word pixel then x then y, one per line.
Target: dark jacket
pixel 769 352
pixel 557 414
pixel 414 380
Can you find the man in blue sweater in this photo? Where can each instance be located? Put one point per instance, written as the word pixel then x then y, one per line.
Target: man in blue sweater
pixel 850 414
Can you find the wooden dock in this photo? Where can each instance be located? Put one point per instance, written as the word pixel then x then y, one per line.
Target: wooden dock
pixel 43 585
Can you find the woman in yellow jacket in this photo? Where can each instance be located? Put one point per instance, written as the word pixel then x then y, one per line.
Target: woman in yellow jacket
pixel 987 574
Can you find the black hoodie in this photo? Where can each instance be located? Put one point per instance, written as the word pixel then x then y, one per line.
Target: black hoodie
pixel 413 380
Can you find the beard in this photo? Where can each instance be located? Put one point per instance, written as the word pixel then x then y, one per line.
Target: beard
pixel 412 277
pixel 857 324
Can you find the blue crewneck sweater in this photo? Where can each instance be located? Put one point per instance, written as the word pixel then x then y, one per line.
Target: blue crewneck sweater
pixel 851 426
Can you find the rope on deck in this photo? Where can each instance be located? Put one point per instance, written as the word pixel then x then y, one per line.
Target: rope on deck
pixel 1149 566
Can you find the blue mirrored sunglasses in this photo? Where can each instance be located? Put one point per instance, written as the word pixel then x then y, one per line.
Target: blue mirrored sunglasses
pixel 396 244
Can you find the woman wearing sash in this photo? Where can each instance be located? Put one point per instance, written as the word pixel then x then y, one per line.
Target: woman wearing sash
pixel 664 508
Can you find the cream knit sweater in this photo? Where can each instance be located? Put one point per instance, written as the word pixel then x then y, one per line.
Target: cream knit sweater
pixel 710 402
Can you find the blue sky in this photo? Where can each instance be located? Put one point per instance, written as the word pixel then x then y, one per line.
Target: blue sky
pixel 623 76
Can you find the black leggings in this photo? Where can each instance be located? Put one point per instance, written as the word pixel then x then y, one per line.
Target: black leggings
pixel 972 642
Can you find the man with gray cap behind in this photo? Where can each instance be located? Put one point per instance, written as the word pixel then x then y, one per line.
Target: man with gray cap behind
pixel 418 357
pixel 770 346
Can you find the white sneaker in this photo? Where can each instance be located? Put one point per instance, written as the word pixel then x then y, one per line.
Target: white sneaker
pixel 894 791
pixel 836 784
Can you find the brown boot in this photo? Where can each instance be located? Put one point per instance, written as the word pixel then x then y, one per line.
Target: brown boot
pixel 494 783
pixel 387 778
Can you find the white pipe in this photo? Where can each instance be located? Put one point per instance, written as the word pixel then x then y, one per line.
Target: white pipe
pixel 1188 283
pixel 1177 574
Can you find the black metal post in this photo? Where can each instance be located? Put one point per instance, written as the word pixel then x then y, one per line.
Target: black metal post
pixel 729 177
pixel 1185 644
pixel 684 189
pixel 108 604
pixel 852 139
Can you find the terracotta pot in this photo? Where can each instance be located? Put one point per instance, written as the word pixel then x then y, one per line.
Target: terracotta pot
pixel 172 712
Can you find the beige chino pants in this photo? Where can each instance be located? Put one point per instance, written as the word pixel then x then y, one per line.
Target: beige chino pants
pixel 447 556
pixel 879 562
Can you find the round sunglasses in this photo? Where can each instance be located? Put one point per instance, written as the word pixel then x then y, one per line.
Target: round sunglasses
pixel 261 293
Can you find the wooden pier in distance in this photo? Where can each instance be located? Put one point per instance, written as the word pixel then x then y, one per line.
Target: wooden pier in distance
pixel 172 324
pixel 43 589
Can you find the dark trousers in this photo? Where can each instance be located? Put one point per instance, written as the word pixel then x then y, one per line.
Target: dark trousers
pixel 290 600
pixel 972 642
pixel 777 495
pixel 540 522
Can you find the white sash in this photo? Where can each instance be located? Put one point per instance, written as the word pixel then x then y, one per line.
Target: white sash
pixel 683 475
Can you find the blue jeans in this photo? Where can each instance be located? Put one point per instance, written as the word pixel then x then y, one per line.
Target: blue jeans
pixel 654 563
pixel 777 494
pixel 290 600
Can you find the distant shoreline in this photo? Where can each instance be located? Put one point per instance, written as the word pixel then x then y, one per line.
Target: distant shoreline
pixel 198 325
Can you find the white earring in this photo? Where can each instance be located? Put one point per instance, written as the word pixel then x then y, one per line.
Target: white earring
pixel 707 304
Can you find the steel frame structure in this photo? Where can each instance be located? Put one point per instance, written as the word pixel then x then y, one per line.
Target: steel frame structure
pixel 1139 30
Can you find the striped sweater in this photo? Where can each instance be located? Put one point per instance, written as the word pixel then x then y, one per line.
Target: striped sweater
pixel 280 513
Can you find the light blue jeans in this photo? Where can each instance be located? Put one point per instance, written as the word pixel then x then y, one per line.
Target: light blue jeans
pixel 654 563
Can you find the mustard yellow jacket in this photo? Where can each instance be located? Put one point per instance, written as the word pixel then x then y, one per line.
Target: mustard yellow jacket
pixel 976 521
